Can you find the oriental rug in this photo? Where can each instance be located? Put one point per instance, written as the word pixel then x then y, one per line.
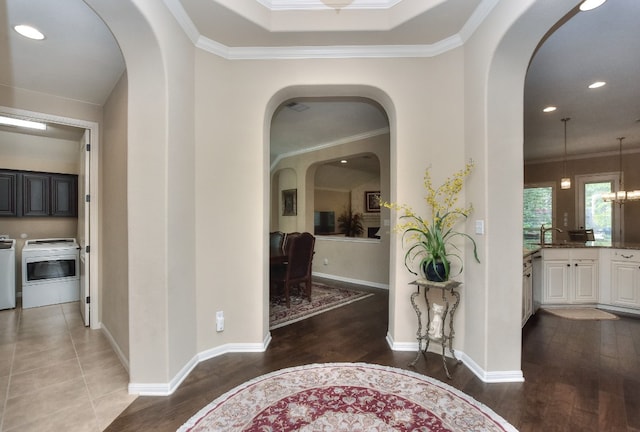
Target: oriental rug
pixel 345 397
pixel 323 299
pixel 581 313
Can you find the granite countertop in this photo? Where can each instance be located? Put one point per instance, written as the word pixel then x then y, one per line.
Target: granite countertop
pixel 531 248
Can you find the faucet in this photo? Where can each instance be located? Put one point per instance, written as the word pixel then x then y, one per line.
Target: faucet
pixel 544 230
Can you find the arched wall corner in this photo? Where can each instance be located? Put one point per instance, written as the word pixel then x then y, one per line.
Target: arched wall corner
pixel 494 140
pixel 143 29
pixel 330 90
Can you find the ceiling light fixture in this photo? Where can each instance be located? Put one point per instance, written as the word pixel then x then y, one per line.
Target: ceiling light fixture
pixel 588 5
pixel 565 182
pixel 549 109
pixel 10 121
pixel 29 32
pixel 597 84
pixel 621 196
pixel 343 161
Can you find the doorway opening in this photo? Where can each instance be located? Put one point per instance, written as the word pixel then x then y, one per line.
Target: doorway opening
pixel 69 146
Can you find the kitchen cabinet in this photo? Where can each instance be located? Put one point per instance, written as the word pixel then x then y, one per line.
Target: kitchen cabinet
pixel 38 194
pixel 527 289
pixel 570 276
pixel 625 278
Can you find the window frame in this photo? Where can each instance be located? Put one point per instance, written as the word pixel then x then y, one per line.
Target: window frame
pixel 617 222
pixel 554 201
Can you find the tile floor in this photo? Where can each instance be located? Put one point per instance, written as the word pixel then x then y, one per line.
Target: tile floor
pixel 56 374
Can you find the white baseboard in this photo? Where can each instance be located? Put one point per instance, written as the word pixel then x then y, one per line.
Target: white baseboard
pixel 626 310
pixel 490 376
pixel 165 389
pixel 485 376
pixel 123 359
pixel 350 280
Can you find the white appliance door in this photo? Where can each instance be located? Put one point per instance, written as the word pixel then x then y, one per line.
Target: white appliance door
pixel 83 226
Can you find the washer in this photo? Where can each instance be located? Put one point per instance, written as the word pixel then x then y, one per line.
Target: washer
pixel 7 274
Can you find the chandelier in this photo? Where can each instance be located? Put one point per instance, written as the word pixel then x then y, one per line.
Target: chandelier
pixel 621 196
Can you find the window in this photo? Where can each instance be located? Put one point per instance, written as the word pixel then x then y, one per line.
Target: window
pixel 538 210
pixel 593 212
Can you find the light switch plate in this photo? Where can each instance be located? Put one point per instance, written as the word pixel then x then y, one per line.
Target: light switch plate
pixel 479 226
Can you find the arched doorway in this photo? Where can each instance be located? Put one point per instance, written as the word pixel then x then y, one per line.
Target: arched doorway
pixel 363 136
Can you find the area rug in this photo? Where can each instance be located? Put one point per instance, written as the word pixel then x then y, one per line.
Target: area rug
pixel 345 397
pixel 582 313
pixel 323 298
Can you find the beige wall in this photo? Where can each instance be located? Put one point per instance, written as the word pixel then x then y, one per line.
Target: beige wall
pixel 566 199
pixel 114 266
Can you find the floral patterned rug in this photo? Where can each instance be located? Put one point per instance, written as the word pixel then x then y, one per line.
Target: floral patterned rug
pixel 345 397
pixel 323 298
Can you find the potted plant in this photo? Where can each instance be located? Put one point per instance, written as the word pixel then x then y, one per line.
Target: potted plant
pixel 429 241
pixel 350 223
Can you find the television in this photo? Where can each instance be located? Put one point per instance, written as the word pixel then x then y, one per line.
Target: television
pixel 324 222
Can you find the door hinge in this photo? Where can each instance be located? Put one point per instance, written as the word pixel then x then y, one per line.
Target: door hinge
pixel 87 198
pixel 88 299
pixel 88 147
pixel 87 249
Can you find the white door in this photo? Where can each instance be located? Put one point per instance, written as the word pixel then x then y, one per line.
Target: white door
pixel 83 224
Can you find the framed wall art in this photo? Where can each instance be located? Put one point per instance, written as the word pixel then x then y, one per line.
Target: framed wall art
pixel 372 201
pixel 290 202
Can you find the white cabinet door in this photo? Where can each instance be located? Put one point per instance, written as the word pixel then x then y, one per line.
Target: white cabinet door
pixel 585 281
pixel 625 283
pixel 556 282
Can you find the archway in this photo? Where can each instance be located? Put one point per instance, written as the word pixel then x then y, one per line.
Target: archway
pixel 305 167
pixel 494 137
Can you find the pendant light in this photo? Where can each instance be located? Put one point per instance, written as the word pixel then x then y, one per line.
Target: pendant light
pixel 565 182
pixel 621 196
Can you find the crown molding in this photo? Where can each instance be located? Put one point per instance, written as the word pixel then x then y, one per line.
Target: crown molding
pixel 328 52
pixel 275 5
pixel 345 140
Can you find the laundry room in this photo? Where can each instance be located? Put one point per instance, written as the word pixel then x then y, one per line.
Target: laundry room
pixel 41 181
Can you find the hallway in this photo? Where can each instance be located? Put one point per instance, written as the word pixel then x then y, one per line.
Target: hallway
pixel 56 374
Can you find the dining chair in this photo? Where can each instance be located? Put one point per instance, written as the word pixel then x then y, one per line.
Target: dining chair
pixel 276 242
pixel 297 271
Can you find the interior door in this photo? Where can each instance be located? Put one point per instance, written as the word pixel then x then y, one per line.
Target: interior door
pixel 84 204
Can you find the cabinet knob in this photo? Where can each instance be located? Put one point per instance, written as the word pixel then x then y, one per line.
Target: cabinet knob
pixel 568 265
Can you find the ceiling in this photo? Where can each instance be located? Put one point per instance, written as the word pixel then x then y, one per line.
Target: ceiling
pixel 80 60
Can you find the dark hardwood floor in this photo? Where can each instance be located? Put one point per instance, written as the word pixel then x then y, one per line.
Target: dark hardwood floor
pixel 579 375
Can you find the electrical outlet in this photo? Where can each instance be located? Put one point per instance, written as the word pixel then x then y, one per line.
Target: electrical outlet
pixel 326 261
pixel 219 321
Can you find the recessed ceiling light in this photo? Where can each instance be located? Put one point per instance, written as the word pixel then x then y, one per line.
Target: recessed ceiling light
pixel 10 121
pixel 549 109
pixel 343 161
pixel 597 84
pixel 29 32
pixel 588 5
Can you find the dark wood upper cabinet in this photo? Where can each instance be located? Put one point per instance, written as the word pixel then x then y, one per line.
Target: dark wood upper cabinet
pixel 38 194
pixel 9 193
pixel 35 194
pixel 64 195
